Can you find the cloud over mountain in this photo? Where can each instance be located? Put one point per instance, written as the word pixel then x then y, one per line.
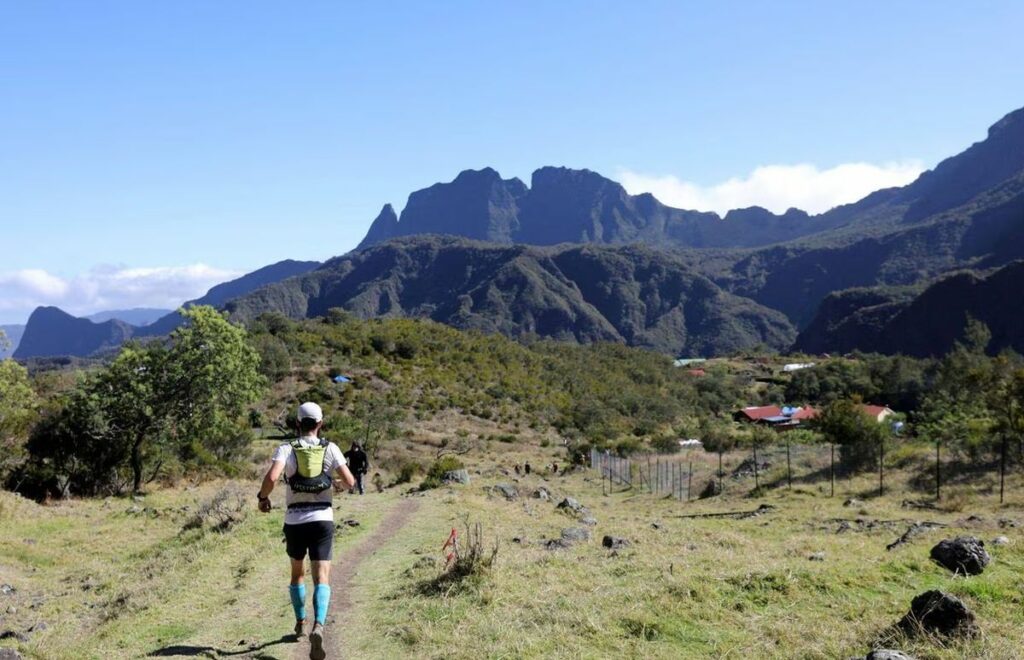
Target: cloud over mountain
pixel 777 187
pixel 105 287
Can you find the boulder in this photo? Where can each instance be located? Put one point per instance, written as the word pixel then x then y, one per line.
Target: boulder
pixel 710 490
pixel 9 654
pixel 1001 540
pixel 853 501
pixel 455 477
pixel 508 491
pixel 589 520
pixel 572 505
pixel 817 556
pixel 15 635
pixel 887 654
pixel 614 542
pixel 938 612
pixel 575 534
pixel 7 589
pixel 542 494
pixel 964 554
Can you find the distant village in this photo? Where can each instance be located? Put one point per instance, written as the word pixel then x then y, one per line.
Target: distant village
pixel 779 418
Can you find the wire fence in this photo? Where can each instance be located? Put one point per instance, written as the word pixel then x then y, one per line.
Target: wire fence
pixel 694 473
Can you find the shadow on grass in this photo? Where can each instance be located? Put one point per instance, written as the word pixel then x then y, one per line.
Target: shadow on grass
pixel 185 650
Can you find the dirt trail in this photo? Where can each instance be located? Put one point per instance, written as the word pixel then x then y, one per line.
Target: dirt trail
pixel 345 568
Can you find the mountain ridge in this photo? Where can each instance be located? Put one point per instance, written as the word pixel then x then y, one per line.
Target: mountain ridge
pixel 583 293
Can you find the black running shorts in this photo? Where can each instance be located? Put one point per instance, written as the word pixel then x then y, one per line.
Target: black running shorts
pixel 316 538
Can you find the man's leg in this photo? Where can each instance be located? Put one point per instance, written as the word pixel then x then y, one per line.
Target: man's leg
pixel 297 591
pixel 359 482
pixel 321 590
pixel 320 558
pixel 295 546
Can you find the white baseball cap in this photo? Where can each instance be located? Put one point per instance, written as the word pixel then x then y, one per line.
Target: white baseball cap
pixel 310 410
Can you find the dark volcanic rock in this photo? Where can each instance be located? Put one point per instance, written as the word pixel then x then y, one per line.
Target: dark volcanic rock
pixel 614 542
pixel 571 504
pixel 710 490
pixel 10 654
pixel 964 554
pixel 938 612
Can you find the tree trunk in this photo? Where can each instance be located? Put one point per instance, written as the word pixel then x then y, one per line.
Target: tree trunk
pixel 136 461
pixel 1002 470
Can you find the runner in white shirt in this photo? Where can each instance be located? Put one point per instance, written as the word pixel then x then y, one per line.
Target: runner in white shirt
pixel 309 519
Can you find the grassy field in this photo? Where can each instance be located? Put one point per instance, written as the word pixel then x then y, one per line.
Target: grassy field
pixel 119 578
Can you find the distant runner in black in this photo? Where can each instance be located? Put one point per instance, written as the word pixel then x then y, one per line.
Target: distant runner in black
pixel 358 464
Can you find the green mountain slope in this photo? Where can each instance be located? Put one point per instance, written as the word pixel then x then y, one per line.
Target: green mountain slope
pixel 926 324
pixel 634 295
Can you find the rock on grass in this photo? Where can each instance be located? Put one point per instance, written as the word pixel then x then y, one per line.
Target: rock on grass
pixel 937 612
pixel 964 554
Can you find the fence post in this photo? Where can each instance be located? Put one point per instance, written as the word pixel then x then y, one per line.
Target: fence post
pixel 789 466
pixel 720 473
pixel 757 478
pixel 689 481
pixel 649 487
pixel 832 467
pixel 881 466
pixel 938 470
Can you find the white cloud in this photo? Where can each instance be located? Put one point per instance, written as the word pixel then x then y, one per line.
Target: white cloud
pixel 777 187
pixel 104 288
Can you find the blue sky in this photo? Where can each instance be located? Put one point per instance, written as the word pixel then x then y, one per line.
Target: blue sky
pixel 148 150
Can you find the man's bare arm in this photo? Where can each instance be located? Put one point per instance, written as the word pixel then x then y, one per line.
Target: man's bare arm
pixel 345 476
pixel 269 481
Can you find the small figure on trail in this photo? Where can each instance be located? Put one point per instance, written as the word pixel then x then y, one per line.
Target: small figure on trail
pixel 526 468
pixel 307 464
pixel 518 471
pixel 554 468
pixel 358 463
pixel 378 482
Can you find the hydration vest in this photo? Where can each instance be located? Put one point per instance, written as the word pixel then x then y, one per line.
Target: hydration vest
pixel 311 474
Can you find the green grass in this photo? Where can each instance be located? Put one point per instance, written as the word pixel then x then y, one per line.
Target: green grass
pixel 115 585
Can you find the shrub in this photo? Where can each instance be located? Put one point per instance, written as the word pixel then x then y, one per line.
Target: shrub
pixel 438 469
pixel 665 444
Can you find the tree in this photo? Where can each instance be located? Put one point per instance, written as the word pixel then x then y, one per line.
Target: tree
pixel 210 377
pixel 717 438
pixel 759 437
pixel 18 405
pixel 1007 404
pixel 859 436
pixel 187 402
pixel 132 401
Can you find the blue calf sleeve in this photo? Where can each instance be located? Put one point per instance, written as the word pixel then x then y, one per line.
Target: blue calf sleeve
pixel 321 599
pixel 298 594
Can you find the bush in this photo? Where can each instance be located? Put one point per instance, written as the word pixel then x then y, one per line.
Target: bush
pixel 438 469
pixel 666 444
pixel 406 471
